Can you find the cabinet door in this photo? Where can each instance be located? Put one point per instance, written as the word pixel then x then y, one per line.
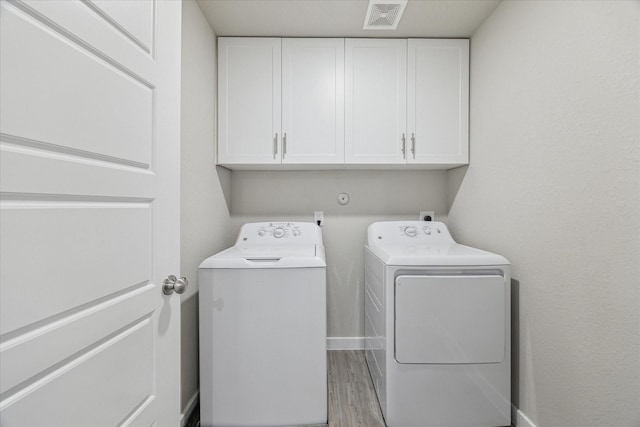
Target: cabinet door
pixel 375 100
pixel 249 100
pixel 313 100
pixel 438 102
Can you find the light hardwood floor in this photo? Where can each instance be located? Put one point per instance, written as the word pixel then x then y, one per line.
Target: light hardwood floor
pixel 352 399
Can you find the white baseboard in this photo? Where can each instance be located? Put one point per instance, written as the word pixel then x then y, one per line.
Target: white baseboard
pixel 186 413
pixel 519 419
pixel 345 343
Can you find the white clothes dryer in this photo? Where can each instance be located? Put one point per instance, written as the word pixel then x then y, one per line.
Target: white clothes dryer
pixel 263 329
pixel 437 326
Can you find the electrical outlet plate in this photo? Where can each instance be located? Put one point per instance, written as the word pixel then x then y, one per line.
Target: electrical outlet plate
pixel 318 217
pixel 427 216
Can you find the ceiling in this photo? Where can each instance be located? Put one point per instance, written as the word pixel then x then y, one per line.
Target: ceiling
pixel 342 18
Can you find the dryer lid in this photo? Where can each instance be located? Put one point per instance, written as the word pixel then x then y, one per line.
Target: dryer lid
pixel 446 255
pixel 420 243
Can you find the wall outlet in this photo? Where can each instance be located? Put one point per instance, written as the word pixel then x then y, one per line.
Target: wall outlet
pixel 427 216
pixel 318 217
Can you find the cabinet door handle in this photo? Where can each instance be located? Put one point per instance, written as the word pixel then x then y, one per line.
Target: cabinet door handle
pixel 413 144
pixel 404 146
pixel 284 144
pixel 275 145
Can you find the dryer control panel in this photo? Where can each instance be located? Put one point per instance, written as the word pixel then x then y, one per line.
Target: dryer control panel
pixel 390 232
pixel 280 233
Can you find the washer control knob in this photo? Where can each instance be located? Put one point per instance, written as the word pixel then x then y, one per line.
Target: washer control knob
pixel 411 231
pixel 296 232
pixel 427 231
pixel 261 232
pixel 278 232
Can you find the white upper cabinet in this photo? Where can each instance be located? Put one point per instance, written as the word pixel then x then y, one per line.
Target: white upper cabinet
pixel 375 100
pixel 249 103
pixel 313 101
pixel 438 102
pixel 280 101
pixel 332 103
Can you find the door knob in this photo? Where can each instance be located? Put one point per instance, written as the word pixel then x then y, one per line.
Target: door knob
pixel 172 284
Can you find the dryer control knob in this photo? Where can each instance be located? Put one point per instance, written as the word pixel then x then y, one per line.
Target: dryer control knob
pixel 278 232
pixel 411 231
pixel 296 232
pixel 261 232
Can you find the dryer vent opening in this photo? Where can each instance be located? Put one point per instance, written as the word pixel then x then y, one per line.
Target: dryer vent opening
pixel 384 15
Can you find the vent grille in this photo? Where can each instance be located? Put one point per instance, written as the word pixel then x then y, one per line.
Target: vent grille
pixel 384 15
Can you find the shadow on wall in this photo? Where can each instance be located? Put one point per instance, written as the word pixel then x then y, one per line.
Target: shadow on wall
pixel 189 328
pixel 454 180
pixel 515 343
pixel 224 176
pixel 390 194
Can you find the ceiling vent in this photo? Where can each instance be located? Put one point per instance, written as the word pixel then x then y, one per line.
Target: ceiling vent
pixel 384 15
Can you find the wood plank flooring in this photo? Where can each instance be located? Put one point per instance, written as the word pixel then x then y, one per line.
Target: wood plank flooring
pixel 352 399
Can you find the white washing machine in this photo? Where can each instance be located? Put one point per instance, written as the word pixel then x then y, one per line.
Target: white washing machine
pixel 263 329
pixel 437 323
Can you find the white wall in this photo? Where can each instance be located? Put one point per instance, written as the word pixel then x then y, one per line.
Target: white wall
pixel 375 196
pixel 554 185
pixel 205 220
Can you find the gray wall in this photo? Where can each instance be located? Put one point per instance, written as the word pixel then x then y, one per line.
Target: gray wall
pixel 205 220
pixel 375 196
pixel 554 185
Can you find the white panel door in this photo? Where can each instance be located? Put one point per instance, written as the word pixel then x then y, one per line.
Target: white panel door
pixel 249 100
pixel 375 100
pixel 89 213
pixel 313 100
pixel 438 101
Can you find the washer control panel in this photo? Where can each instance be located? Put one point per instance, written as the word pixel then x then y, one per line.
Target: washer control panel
pixel 280 233
pixel 280 230
pixel 389 232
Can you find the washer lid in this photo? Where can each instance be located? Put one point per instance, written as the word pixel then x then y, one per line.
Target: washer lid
pixel 292 256
pixel 272 234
